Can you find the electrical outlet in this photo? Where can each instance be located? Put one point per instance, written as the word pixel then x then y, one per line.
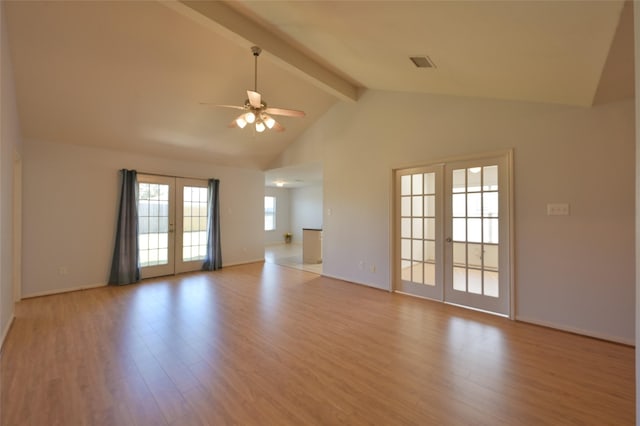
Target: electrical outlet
pixel 372 268
pixel 361 265
pixel 62 270
pixel 558 209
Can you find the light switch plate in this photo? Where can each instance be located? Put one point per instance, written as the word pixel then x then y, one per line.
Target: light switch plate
pixel 558 209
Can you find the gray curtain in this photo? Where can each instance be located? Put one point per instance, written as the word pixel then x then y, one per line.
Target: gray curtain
pixel 213 260
pixel 125 267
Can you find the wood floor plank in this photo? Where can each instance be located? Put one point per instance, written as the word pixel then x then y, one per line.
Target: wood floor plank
pixel 264 344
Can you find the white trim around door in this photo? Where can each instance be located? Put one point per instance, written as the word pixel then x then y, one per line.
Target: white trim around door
pixel 453 232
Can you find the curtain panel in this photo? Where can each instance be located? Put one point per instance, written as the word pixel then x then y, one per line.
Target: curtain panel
pixel 125 266
pixel 213 259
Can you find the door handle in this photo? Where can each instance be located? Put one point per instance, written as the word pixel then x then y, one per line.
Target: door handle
pixel 449 239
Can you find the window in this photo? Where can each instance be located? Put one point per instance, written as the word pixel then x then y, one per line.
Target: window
pixel 269 213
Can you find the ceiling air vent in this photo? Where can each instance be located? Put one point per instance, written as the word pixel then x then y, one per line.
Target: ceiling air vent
pixel 422 61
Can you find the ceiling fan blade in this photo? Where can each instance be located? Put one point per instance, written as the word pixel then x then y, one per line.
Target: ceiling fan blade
pixel 254 99
pixel 285 112
pixel 222 106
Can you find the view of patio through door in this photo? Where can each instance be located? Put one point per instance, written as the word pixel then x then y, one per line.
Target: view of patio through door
pixel 452 233
pixel 172 224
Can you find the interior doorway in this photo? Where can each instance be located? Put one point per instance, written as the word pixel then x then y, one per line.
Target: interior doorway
pixel 295 196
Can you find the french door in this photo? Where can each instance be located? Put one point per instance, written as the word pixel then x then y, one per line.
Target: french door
pixel 172 224
pixel 452 233
pixel 420 231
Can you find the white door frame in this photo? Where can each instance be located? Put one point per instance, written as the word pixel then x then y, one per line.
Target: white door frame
pixel 507 155
pixel 466 297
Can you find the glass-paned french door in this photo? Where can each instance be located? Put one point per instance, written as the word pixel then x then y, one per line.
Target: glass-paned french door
pixel 452 233
pixel 172 224
pixel 419 205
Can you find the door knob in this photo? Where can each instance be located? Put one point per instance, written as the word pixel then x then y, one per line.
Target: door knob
pixel 448 239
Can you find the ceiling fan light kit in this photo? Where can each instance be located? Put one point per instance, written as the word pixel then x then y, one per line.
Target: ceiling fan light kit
pixel 241 122
pixel 256 110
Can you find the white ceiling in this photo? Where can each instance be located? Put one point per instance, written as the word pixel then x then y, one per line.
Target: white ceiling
pixel 541 51
pixel 131 75
pixel 297 176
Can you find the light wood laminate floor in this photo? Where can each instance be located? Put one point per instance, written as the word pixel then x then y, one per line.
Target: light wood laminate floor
pixel 265 344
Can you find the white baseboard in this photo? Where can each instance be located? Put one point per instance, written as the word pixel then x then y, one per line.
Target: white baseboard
pixel 355 282
pixel 61 290
pixel 6 331
pixel 244 262
pixel 575 330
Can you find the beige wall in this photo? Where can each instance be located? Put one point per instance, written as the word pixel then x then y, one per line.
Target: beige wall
pixel 306 209
pixel 70 201
pixel 9 147
pixel 574 273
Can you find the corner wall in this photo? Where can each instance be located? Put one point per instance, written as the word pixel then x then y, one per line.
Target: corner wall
pixel 575 273
pixel 70 202
pixel 10 146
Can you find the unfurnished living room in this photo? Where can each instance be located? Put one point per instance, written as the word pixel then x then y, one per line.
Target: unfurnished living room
pixel 473 228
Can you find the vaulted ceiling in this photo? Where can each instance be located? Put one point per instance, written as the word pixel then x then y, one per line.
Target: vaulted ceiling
pixel 132 75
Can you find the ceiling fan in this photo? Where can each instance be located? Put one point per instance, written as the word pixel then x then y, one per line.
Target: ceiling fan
pixel 255 109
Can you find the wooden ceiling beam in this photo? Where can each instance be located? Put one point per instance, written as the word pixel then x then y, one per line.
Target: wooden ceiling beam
pixel 230 23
